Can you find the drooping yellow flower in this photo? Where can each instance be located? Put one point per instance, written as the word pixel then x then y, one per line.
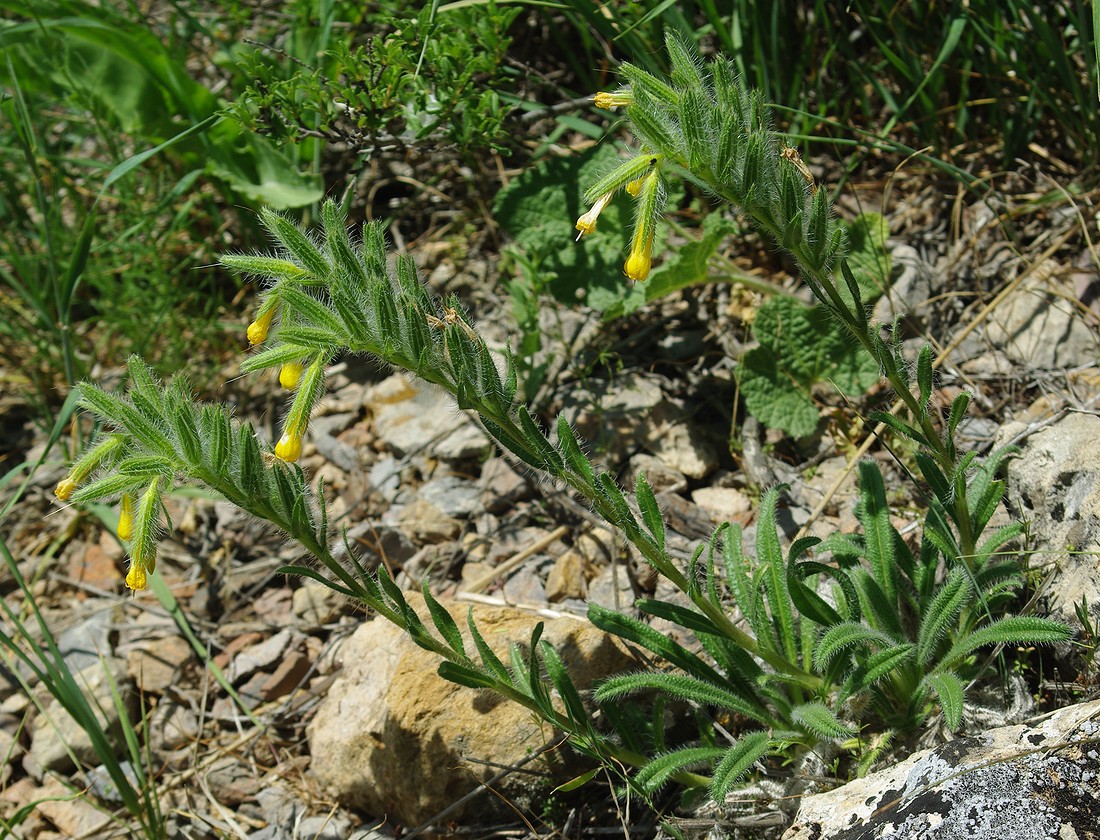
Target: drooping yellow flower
pixel 613 99
pixel 257 330
pixel 587 223
pixel 635 186
pixel 65 489
pixel 126 517
pixel 289 447
pixel 290 375
pixel 141 565
pixel 136 578
pixel 640 261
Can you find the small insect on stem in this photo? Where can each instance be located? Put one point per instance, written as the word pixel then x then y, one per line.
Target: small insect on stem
pixel 792 157
pixel 449 319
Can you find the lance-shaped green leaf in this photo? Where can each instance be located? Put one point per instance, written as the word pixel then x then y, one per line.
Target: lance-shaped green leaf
pixel 290 236
pixel 263 267
pixel 737 761
pixel 1013 629
pixel 443 621
pixel 820 720
pixel 949 691
pixel 941 614
pixel 657 772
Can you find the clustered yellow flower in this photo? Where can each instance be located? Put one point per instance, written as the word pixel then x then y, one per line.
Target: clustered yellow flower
pixel 587 223
pixel 140 568
pixel 640 177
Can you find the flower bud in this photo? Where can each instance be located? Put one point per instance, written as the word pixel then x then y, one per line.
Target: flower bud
pixel 257 330
pixel 126 517
pixel 289 447
pixel 290 375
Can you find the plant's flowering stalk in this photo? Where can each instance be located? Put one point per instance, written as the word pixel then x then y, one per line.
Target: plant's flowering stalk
pixel 614 99
pixel 98 455
pixel 587 223
pixel 640 260
pixel 143 545
pixel 310 388
pixel 126 510
pixel 290 375
pixel 629 170
pixel 257 330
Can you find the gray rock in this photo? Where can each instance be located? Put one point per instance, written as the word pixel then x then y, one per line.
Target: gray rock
pixel 1054 483
pixel 56 737
pixel 316 604
pixel 1037 782
pixel 1037 327
pixel 258 657
pixel 456 497
pixel 410 416
pixel 85 642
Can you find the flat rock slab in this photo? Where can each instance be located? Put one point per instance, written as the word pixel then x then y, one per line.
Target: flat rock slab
pixel 1015 783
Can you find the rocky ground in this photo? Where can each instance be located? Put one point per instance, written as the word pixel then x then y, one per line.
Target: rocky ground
pixel 336 727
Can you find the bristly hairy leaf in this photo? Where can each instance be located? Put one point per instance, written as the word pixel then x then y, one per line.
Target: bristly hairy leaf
pixel 681 687
pixel 949 690
pixel 737 761
pixel 658 771
pixel 1013 629
pixel 937 621
pixel 820 720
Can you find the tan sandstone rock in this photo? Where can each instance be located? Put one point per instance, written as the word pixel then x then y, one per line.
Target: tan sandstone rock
pixel 396 740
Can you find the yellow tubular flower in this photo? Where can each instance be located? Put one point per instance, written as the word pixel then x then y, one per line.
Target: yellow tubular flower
pixel 126 518
pixel 290 375
pixel 65 489
pixel 640 260
pixel 614 99
pixel 587 223
pixel 135 578
pixel 289 447
pixel 257 330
